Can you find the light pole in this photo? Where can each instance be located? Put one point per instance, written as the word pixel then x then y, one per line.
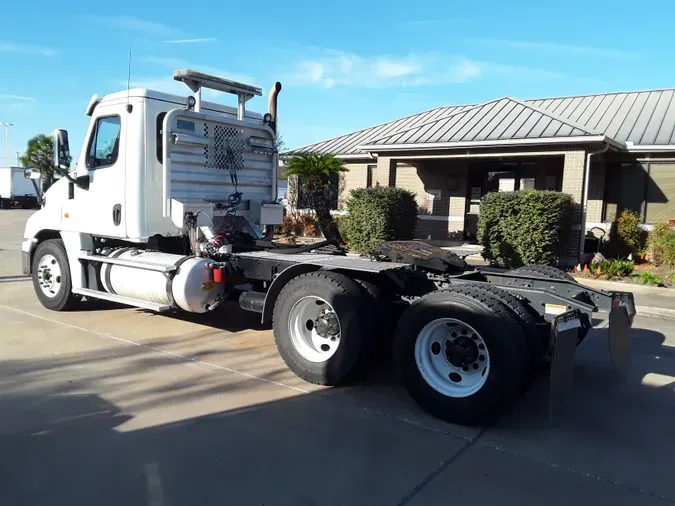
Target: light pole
pixel 6 125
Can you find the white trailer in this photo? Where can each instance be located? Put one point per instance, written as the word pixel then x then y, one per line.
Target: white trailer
pixel 16 190
pixel 168 208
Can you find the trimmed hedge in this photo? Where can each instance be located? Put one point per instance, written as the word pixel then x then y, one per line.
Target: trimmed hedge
pixel 525 227
pixel 377 215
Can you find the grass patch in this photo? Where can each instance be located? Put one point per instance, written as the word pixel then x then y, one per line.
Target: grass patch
pixel 649 278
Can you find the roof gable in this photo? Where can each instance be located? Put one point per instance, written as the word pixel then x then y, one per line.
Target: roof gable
pixel 502 119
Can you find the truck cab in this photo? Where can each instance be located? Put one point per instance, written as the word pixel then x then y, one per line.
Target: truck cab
pixel 150 158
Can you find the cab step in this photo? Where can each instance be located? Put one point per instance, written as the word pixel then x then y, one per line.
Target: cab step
pixel 129 301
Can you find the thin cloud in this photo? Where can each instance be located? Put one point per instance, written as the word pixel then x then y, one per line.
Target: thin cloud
pixel 337 68
pixel 190 41
pixel 151 29
pixel 554 47
pixel 20 98
pixel 139 26
pixel 13 47
pixel 16 101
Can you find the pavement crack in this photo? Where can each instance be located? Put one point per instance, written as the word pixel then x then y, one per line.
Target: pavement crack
pixel 454 457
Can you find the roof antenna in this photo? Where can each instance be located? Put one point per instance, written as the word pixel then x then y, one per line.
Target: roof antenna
pixel 129 106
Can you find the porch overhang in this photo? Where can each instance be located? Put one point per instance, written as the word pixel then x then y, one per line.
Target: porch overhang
pixel 500 143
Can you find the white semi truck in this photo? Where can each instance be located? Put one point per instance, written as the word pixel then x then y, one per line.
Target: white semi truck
pixel 170 209
pixel 16 191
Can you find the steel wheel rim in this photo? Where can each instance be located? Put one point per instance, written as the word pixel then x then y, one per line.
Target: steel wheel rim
pixel 49 275
pixel 306 337
pixel 446 339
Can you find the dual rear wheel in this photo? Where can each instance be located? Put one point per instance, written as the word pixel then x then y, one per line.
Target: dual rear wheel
pixel 463 354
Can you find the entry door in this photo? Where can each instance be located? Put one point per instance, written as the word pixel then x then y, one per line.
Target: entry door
pixel 100 210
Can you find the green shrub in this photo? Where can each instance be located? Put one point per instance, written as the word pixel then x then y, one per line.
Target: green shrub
pixel 613 268
pixel 662 245
pixel 377 215
pixel 628 232
pixel 649 278
pixel 525 227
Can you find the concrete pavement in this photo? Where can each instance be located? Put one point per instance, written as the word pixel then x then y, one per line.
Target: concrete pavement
pixel 120 406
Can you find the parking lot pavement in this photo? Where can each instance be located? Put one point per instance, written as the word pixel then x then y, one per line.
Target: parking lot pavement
pixel 120 406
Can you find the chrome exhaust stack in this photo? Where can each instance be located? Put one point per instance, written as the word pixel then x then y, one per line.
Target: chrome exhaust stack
pixel 272 105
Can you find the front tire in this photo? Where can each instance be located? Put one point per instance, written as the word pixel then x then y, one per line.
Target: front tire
pixel 51 276
pixel 322 327
pixel 463 357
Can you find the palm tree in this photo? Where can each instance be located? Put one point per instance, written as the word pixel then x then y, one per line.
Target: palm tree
pixel 316 173
pixel 40 155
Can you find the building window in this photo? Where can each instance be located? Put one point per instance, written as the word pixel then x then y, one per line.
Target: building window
pixel 370 171
pixel 527 183
pixel 659 204
pixel 104 144
pixel 643 188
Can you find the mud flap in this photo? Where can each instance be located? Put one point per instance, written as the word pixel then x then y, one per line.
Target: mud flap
pixel 564 336
pixel 620 321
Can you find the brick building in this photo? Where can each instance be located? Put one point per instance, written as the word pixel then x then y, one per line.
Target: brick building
pixel 610 152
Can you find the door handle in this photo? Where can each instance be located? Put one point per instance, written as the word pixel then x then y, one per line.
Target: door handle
pixel 117 214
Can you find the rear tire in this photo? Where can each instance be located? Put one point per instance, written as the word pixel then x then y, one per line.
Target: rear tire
pixel 51 276
pixel 431 368
pixel 322 327
pixel 527 319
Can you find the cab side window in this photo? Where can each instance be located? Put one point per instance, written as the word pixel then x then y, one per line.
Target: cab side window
pixel 104 144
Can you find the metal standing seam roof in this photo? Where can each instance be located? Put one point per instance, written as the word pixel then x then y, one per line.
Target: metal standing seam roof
pixel 645 118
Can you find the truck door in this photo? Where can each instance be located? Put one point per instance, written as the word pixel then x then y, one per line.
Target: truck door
pixel 100 209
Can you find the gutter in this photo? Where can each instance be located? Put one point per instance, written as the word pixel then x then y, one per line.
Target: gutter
pixel 649 148
pixel 584 199
pixel 488 144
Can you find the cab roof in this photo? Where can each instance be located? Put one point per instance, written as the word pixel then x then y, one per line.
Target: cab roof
pixel 178 100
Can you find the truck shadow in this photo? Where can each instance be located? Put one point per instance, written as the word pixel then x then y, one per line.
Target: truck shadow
pixel 198 441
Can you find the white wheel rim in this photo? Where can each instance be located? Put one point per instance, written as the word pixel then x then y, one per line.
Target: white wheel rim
pixel 49 275
pixel 452 357
pixel 314 329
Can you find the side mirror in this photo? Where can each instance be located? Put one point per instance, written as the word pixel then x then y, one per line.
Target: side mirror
pixel 31 173
pixel 61 150
pixel 62 159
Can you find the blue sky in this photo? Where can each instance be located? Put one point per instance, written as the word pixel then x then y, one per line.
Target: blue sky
pixel 345 65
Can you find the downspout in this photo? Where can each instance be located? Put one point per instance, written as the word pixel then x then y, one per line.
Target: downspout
pixel 584 201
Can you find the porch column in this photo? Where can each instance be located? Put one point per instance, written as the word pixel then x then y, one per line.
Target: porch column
pixel 596 191
pixel 573 183
pixel 385 174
